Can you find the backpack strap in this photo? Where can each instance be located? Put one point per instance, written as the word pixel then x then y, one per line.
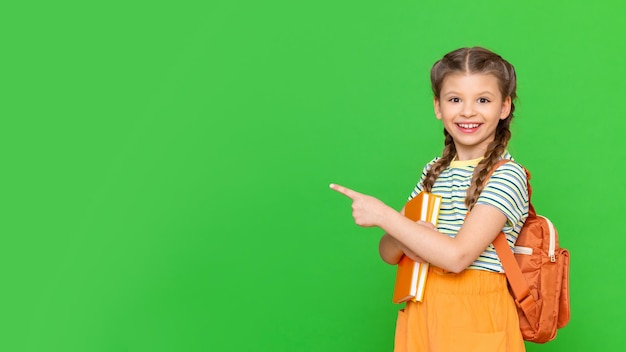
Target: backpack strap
pixel 521 291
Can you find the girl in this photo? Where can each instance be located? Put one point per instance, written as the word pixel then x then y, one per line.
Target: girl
pixel 466 306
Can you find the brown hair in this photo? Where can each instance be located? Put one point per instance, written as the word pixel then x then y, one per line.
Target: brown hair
pixel 474 60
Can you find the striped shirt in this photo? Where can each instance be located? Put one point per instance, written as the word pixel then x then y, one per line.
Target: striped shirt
pixel 506 190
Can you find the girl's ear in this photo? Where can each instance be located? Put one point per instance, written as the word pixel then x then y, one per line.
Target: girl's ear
pixel 437 108
pixel 506 108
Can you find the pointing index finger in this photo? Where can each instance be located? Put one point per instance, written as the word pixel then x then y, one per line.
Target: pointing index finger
pixel 344 190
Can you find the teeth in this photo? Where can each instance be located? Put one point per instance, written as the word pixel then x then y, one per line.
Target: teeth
pixel 468 125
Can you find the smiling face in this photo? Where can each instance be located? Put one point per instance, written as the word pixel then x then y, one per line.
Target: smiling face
pixel 470 105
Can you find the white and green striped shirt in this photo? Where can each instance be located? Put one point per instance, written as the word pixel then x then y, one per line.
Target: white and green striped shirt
pixel 506 190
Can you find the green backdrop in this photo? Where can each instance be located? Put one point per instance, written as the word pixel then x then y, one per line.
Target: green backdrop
pixel 165 166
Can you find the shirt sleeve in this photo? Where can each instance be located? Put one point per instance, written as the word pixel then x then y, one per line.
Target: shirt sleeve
pixel 507 190
pixel 420 184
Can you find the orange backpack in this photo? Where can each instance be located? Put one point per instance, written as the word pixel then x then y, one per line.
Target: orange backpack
pixel 538 274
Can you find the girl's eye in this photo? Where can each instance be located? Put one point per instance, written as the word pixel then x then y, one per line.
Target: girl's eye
pixel 483 100
pixel 454 100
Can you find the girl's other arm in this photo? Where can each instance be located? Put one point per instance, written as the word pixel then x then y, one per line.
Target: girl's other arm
pixel 391 250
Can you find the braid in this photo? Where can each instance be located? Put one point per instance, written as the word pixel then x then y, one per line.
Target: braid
pixel 449 152
pixel 494 151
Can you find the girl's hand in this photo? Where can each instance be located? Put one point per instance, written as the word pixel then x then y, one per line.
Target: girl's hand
pixel 367 211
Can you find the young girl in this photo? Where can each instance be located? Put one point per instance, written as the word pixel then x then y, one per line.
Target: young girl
pixel 466 306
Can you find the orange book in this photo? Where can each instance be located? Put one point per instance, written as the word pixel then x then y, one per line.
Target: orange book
pixel 411 275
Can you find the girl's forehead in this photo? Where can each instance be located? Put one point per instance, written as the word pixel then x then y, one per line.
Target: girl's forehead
pixel 470 82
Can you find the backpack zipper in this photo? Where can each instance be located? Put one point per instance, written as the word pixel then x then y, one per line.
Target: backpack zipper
pixel 552 240
pixel 551 248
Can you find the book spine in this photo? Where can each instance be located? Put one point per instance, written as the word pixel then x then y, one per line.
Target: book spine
pixel 416 273
pixel 421 283
pixel 424 208
pixel 429 213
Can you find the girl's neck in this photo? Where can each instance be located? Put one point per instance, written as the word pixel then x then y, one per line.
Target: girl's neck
pixel 466 156
pixel 473 161
pixel 473 150
pixel 462 163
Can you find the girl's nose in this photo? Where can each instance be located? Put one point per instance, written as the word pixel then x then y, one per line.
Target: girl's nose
pixel 468 110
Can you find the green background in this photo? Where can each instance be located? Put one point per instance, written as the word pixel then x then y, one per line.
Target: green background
pixel 165 166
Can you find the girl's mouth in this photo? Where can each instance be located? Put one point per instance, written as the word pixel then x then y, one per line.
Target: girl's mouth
pixel 468 127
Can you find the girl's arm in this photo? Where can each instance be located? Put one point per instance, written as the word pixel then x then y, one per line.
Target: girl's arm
pixel 391 250
pixel 455 254
pixel 451 253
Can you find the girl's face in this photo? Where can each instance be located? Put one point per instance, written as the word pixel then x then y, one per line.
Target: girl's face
pixel 470 106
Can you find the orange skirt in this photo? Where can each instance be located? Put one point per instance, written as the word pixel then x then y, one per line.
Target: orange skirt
pixel 469 311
